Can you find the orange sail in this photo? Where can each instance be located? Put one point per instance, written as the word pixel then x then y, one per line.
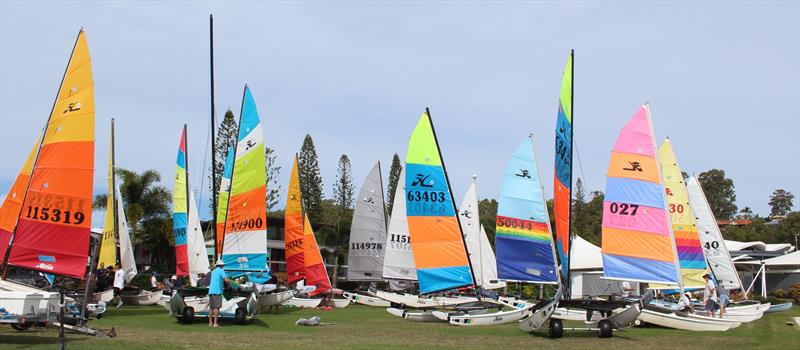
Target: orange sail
pixel 9 210
pixel 52 234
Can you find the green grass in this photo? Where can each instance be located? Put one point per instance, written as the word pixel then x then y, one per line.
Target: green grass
pixel 364 327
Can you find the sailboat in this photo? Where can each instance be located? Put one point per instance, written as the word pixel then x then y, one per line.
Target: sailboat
pixel 480 250
pixel 50 230
pixel 367 244
pixel 304 264
pixel 190 253
pixel 436 237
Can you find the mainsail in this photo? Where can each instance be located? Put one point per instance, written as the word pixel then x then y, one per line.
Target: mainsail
pixel 244 248
pixel 398 262
pixel 196 254
pixel 687 243
pixel 368 231
pixel 480 251
pixel 52 234
pixel 9 210
pixel 303 258
pixel 436 237
pixel 524 239
pixel 562 182
pixel 637 243
pixel 714 249
pixel 180 201
pixel 126 256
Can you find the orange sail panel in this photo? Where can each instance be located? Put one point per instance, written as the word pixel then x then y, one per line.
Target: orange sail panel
pixel 9 210
pixel 293 229
pixel 54 225
pixel 316 274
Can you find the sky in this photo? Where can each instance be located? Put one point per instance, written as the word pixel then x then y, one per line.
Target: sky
pixel 722 78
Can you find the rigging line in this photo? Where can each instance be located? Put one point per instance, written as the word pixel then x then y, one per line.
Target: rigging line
pixel 580 164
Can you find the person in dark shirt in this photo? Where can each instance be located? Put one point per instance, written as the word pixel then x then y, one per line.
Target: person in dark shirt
pixel 100 276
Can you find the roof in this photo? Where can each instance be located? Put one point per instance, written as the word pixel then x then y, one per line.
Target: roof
pixel 790 260
pixel 738 222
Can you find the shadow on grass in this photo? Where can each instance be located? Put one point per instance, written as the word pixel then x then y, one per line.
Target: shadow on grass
pixel 34 338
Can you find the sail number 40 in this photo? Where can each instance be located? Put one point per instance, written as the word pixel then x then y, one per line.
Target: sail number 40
pixel 55 215
pixel 623 208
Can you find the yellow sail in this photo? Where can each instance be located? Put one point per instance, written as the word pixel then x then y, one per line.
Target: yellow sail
pixel 108 246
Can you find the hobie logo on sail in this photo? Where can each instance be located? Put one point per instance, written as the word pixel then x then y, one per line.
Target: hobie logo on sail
pixel 421 181
pixel 45 260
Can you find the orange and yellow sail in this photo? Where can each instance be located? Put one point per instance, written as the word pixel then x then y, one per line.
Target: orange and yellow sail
pixel 52 234
pixel 9 210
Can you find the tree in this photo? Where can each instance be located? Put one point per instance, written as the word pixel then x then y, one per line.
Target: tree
pixel 581 220
pixel 343 189
pixel 394 176
pixel 487 212
pixel 781 202
pixel 591 219
pixel 227 135
pixel 745 214
pixel 274 187
pixel 720 193
pixel 148 212
pixel 333 233
pixel 310 179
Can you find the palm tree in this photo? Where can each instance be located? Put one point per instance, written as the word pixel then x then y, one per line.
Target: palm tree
pixel 148 211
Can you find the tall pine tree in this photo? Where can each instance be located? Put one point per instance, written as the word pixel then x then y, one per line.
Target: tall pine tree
pixel 226 140
pixel 274 187
pixel 343 189
pixel 310 180
pixel 394 176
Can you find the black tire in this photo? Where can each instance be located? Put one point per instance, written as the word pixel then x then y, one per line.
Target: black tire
pixel 22 326
pixel 187 316
pixel 239 316
pixel 606 330
pixel 556 328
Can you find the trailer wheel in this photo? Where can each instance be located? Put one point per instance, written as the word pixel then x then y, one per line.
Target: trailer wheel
pixel 239 316
pixel 188 315
pixel 606 330
pixel 556 328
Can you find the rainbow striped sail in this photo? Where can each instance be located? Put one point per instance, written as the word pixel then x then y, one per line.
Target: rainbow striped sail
pixel 637 237
pixel 244 248
pixel 222 200
pixel 303 259
pixel 108 245
pixel 436 237
pixel 562 182
pixel 180 212
pixel 687 239
pixel 52 234
pixel 9 210
pixel 523 240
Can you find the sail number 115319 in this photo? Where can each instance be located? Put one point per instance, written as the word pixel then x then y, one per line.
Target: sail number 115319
pixel 55 215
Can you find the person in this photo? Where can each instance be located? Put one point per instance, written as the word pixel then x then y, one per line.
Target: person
pixel 626 289
pixel 100 275
pixel 709 296
pixel 154 281
pixel 724 300
pixel 176 283
pixel 204 279
pixel 119 283
pixel 215 286
pixel 685 303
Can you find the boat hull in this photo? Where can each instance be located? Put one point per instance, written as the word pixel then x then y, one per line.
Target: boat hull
pixel 302 303
pixel 779 307
pixel 104 296
pixel 340 303
pixel 415 301
pixel 272 299
pixel 538 318
pixel 415 316
pixel 670 319
pixel 490 319
pixel 143 298
pixel 366 300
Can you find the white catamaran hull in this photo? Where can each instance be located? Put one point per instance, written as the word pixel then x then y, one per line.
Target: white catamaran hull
pixel 366 300
pixel 240 309
pixel 490 319
pixel 415 301
pixel 302 302
pixel 272 299
pixel 340 303
pixel 537 319
pixel 416 316
pixel 143 298
pixel 695 323
pixel 104 296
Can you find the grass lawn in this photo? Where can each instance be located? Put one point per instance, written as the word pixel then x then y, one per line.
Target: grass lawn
pixel 364 327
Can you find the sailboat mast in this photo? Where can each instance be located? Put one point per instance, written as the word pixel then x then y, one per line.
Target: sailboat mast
pixel 568 290
pixel 664 198
pixel 452 199
pixel 213 224
pixel 113 193
pixel 4 265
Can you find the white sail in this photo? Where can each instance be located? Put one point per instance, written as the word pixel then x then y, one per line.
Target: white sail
pixel 196 245
pixel 476 241
pixel 126 257
pixel 368 231
pixel 719 260
pixel 398 262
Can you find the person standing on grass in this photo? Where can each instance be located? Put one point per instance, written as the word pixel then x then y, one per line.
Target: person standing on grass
pixel 215 286
pixel 709 296
pixel 724 300
pixel 100 276
pixel 119 283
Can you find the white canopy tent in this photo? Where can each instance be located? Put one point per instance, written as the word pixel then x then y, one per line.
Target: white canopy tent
pixel 787 264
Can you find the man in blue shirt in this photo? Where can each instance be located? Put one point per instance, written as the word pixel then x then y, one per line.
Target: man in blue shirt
pixel 217 283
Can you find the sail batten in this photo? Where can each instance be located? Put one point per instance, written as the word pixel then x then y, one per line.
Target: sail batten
pixel 54 225
pixel 436 236
pixel 637 242
pixel 368 231
pixel 523 240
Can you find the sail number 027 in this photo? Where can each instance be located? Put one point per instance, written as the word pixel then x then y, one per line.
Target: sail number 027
pixel 55 215
pixel 623 208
